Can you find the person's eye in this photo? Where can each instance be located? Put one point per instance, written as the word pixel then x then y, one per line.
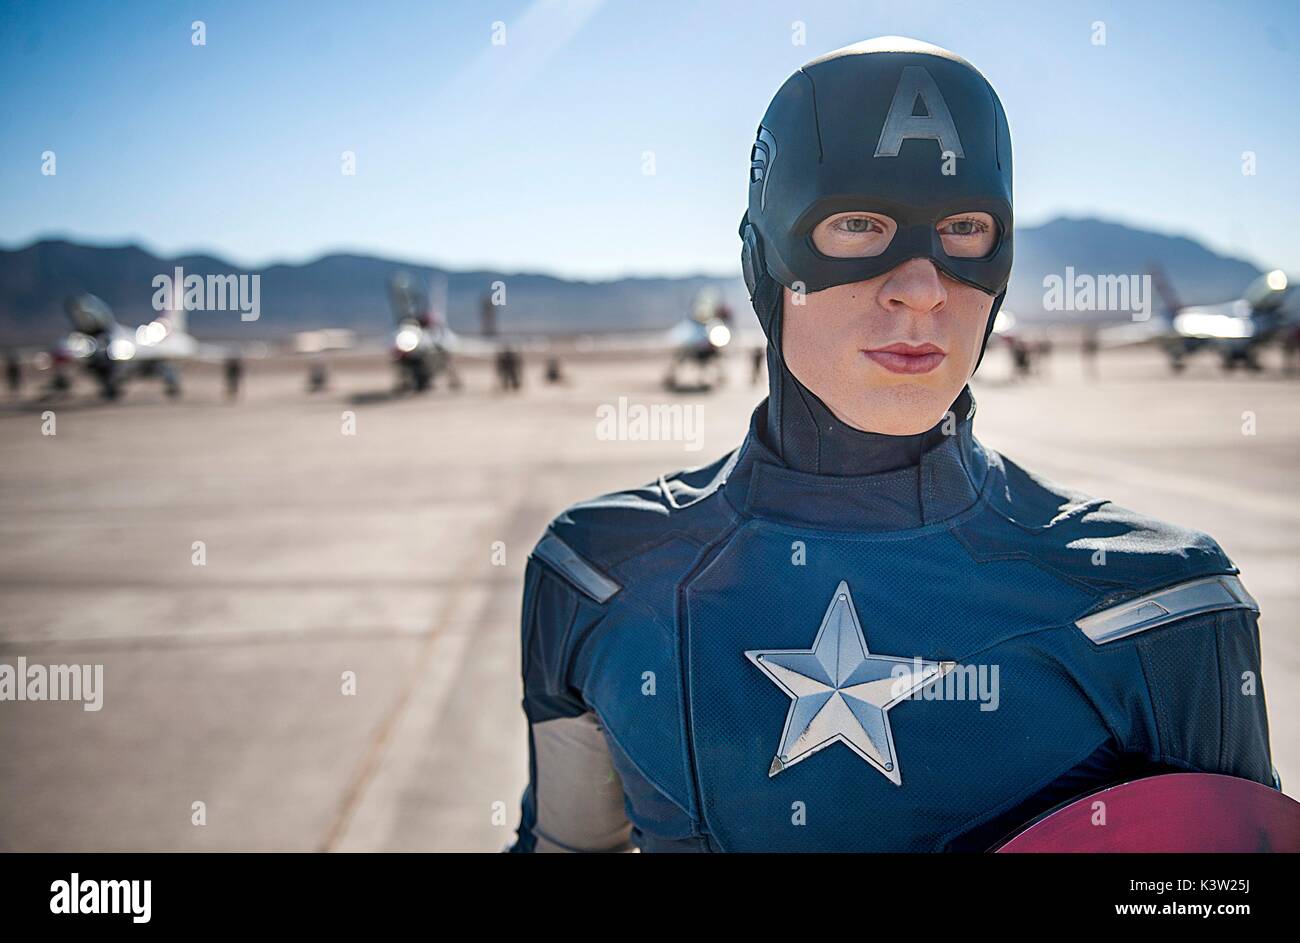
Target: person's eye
pixel 853 235
pixel 858 224
pixel 969 236
pixel 965 227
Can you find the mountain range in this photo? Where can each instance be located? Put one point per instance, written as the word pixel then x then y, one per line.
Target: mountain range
pixel 349 291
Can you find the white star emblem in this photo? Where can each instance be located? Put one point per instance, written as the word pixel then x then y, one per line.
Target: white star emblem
pixel 839 691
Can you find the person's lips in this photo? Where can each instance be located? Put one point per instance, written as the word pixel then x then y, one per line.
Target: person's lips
pixel 907 358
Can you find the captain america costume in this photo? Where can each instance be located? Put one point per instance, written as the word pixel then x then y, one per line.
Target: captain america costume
pixel 762 654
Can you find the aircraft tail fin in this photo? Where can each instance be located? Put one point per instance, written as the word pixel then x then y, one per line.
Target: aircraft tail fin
pixel 1169 302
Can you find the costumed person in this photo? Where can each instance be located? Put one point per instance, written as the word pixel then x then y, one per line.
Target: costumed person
pixel 862 630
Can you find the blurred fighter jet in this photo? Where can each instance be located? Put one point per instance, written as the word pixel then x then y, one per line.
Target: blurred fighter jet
pixel 114 353
pixel 1234 330
pixel 699 342
pixel 422 342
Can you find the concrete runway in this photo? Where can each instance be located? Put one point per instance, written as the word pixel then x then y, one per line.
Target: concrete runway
pixel 374 554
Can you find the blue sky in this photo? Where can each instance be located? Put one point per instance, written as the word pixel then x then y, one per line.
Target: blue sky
pixel 530 155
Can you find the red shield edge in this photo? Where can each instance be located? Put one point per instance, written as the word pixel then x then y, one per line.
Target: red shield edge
pixel 1175 812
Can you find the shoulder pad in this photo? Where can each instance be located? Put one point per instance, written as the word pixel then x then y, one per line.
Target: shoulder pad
pixel 575 569
pixel 1086 540
pixel 608 531
pixel 1208 594
pixel 692 485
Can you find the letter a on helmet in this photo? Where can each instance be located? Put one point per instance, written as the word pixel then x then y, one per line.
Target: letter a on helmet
pixel 901 123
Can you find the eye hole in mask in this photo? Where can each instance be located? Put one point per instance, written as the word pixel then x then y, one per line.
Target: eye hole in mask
pixel 859 235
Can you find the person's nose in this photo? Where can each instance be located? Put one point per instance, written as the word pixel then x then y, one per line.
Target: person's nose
pixel 914 286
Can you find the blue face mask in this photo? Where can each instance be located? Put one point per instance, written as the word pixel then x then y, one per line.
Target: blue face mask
pixel 893 127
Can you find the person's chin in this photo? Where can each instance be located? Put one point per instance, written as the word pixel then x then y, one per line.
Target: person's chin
pixel 905 408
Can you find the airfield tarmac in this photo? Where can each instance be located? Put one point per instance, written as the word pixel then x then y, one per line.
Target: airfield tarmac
pixel 374 554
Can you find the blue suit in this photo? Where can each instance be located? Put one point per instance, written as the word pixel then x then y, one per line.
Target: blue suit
pixel 747 657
